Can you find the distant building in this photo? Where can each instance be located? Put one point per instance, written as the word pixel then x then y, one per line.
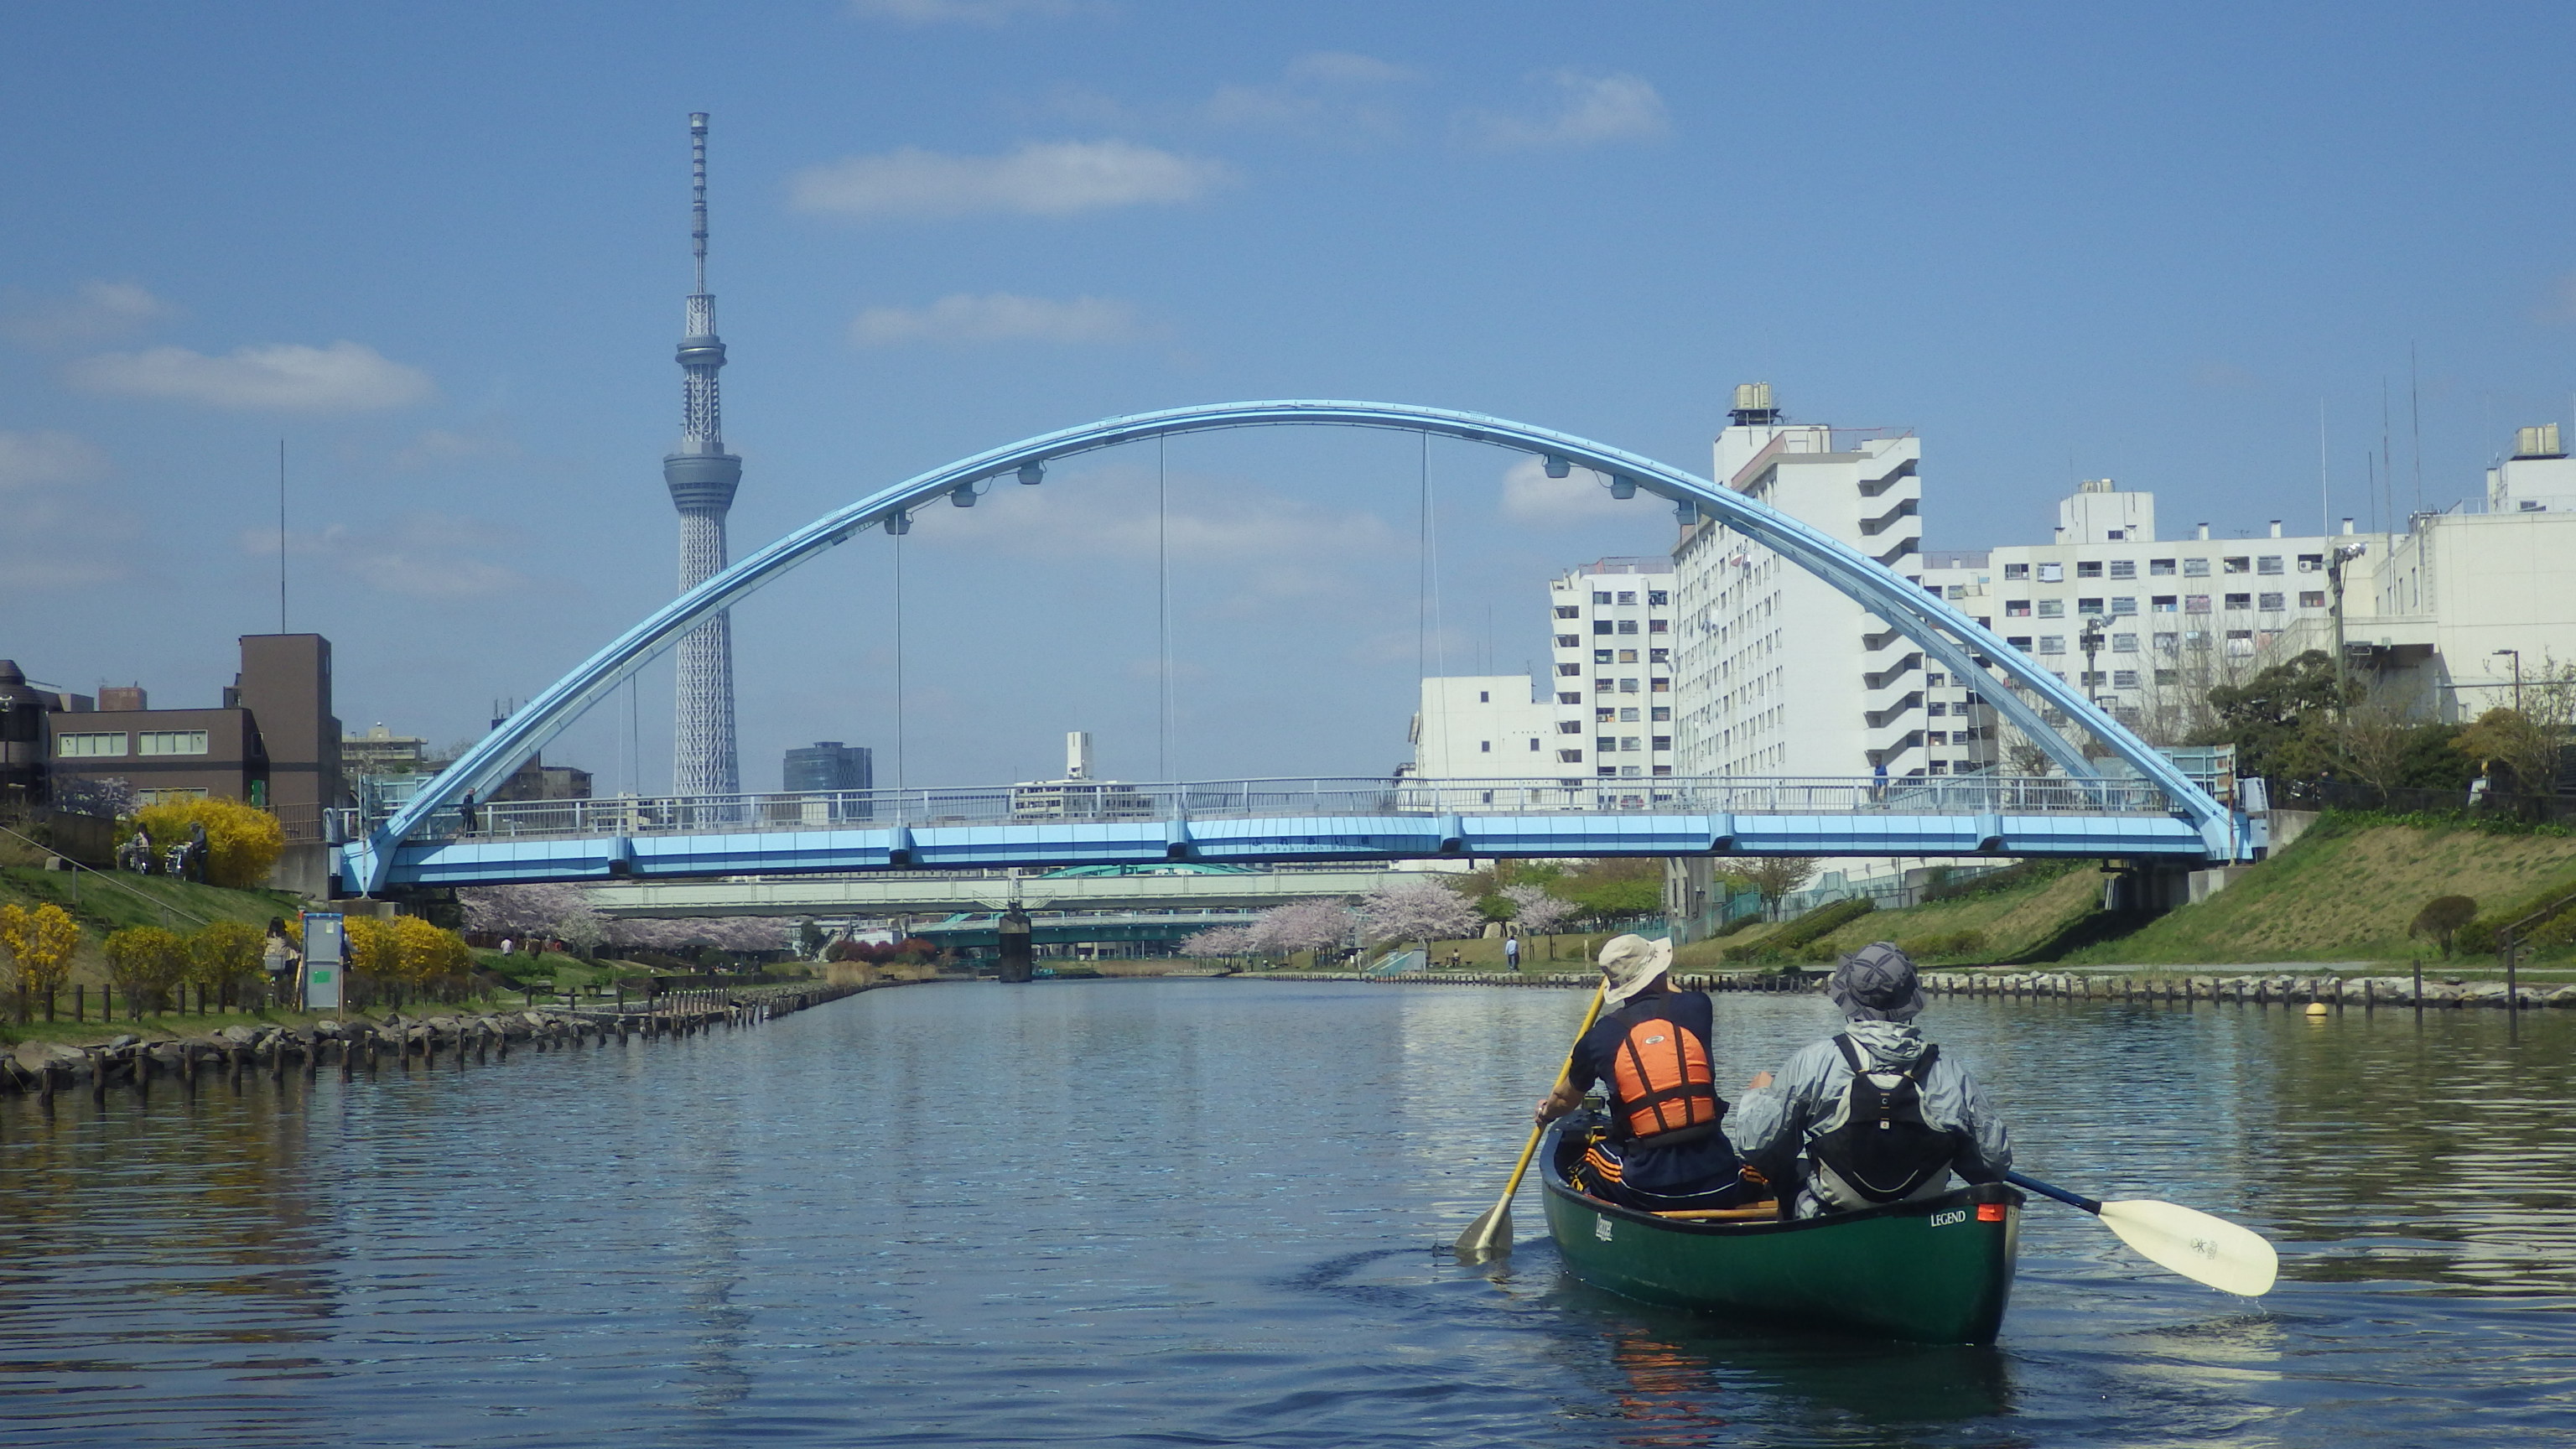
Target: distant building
pixel 828 765
pixel 381 753
pixel 272 742
pixel 1078 796
pixel 1611 649
pixel 1486 727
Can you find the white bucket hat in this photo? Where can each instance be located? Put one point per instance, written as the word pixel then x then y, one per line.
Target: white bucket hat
pixel 1629 962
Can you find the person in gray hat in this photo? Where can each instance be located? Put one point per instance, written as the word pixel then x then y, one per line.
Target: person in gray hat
pixel 1663 1148
pixel 1874 1114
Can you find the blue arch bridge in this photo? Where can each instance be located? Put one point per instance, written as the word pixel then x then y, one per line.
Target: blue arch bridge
pixel 2150 812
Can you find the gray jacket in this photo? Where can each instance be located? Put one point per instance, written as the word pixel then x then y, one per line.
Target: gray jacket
pixel 1769 1125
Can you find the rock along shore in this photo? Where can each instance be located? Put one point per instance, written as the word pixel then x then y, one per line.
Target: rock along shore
pixel 43 1068
pixel 2251 990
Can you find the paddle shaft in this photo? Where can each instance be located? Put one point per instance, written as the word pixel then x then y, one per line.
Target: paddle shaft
pixel 1484 1227
pixel 2071 1199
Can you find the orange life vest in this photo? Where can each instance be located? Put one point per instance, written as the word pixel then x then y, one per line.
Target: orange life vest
pixel 1664 1083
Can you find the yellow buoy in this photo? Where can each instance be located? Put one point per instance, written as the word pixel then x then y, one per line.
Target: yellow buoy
pixel 2319 1008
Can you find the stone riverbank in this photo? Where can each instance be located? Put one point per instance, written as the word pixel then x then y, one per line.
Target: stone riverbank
pixel 359 1044
pixel 2251 990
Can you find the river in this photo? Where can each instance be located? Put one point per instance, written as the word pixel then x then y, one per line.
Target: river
pixel 1205 1213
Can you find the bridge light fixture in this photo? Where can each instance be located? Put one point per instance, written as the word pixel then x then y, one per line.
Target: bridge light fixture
pixel 1622 486
pixel 963 495
pixel 1687 511
pixel 1556 467
pixel 898 523
pixel 1032 473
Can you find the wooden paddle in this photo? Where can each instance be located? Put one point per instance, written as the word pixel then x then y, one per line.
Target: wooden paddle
pixel 2199 1247
pixel 1490 1235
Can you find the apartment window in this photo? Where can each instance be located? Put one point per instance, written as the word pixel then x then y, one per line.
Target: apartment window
pixel 1604 715
pixel 1569 611
pixel 1603 626
pixel 2195 568
pixel 1627 686
pixel 2052 573
pixel 2269 563
pixel 2052 608
pixel 2272 603
pixel 1484 747
pixel 1484 696
pixel 1661 771
pixel 1661 714
pixel 171 742
pixel 2169 642
pixel 1628 715
pixel 2312 598
pixel 1627 656
pixel 2195 603
pixel 1936 737
pixel 1663 686
pixel 1569 641
pixel 1958 591
pixel 1936 709
pixel 1657 598
pixel 2240 601
pixel 2168 676
pixel 1603 686
pixel 1569 726
pixel 90 747
pixel 1629 772
pixel 1942 767
pixel 172 795
pixel 1628 744
pixel 2016 571
pixel 1569 757
pixel 2020 642
pixel 1627 596
pixel 1935 680
pixel 1659 626
pixel 2089 569
pixel 2016 608
pixel 2242 564
pixel 2124 643
pixel 1565 698
pixel 1608 772
pixel 2240 642
pixel 2124 604
pixel 1600 598
pixel 1627 626
pixel 2052 643
pixel 2165 603
pixel 2094 678
pixel 2124 568
pixel 1569 671
pixel 1659 656
pixel 2312 563
pixel 1606 744
pixel 2161 567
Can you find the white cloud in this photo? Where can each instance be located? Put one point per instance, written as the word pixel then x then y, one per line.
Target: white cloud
pixel 999 317
pixel 421 556
pixel 1331 91
pixel 987 13
pixel 29 461
pixel 1530 496
pixel 95 311
pixel 284 376
pixel 1587 111
pixel 1055 178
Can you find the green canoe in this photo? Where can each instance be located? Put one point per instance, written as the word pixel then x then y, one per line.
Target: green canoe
pixel 1934 1271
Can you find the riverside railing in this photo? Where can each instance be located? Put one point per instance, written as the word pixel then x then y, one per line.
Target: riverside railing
pixel 1112 802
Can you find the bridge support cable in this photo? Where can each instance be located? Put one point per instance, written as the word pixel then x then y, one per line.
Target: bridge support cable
pixel 1968 649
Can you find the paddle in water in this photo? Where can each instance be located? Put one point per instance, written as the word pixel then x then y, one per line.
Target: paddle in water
pixel 1490 1235
pixel 2199 1247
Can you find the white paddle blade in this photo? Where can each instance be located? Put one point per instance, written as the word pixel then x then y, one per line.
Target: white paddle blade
pixel 2199 1247
pixel 1489 1236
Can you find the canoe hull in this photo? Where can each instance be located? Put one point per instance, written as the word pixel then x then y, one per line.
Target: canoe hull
pixel 1935 1271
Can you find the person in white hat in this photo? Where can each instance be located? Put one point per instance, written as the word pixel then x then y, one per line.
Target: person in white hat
pixel 1650 1052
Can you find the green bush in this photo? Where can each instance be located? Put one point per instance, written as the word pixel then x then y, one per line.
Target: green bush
pixel 1791 940
pixel 2478 937
pixel 2442 918
pixel 1969 942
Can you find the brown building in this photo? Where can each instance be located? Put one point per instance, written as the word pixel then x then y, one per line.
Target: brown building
pixel 272 741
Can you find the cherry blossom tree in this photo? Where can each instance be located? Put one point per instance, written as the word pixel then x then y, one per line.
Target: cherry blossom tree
pixel 1219 943
pixel 1318 925
pixel 1535 911
pixel 1417 910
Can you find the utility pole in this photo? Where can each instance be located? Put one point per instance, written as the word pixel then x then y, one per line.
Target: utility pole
pixel 2517 677
pixel 2344 553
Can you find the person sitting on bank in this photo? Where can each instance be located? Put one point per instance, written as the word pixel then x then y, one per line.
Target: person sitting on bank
pixel 1650 1051
pixel 1874 1114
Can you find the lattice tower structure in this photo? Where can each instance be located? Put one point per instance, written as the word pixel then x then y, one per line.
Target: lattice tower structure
pixel 702 477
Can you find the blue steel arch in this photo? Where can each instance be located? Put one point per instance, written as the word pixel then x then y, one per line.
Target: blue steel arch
pixel 1939 630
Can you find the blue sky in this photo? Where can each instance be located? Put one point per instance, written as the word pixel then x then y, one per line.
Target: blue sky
pixel 440 250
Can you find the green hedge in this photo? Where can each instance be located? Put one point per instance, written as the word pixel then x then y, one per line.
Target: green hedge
pixel 2478 937
pixel 1823 921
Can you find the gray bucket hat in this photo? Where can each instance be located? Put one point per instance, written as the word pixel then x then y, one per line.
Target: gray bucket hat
pixel 1876 983
pixel 1628 963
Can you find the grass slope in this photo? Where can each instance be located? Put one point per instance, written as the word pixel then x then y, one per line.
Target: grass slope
pixel 2345 891
pixel 121 900
pixel 2012 919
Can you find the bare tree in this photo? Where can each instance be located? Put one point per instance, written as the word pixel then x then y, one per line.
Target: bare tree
pixel 1775 876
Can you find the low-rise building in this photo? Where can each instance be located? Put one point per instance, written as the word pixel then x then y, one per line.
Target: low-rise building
pixel 1488 727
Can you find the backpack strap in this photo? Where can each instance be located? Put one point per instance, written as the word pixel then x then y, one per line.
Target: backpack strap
pixel 1851 1052
pixel 1921 1071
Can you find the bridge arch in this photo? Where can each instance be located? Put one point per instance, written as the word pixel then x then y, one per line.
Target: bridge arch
pixel 1942 632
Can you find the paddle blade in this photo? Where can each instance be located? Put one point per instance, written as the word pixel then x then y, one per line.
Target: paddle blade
pixel 2199 1247
pixel 1489 1236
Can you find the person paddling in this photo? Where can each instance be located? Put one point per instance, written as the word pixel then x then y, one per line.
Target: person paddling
pixel 1650 1051
pixel 1874 1114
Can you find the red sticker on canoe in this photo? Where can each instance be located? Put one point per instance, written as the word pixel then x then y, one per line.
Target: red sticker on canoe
pixel 1990 1212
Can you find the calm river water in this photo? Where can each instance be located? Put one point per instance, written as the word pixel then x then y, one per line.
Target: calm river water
pixel 1201 1213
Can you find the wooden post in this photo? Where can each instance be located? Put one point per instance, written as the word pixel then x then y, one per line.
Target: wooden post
pixel 2419 988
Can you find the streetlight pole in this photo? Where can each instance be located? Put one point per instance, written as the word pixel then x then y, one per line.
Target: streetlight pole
pixel 2343 554
pixel 2090 641
pixel 2517 677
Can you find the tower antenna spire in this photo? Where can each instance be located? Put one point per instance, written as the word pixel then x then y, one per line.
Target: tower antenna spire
pixel 702 477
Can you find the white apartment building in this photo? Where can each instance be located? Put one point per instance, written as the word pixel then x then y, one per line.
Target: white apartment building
pixel 1777 672
pixel 1485 727
pixel 1611 649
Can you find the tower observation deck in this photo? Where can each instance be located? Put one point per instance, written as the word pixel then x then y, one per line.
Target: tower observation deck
pixel 702 478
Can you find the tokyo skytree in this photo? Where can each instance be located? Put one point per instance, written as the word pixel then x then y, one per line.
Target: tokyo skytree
pixel 702 477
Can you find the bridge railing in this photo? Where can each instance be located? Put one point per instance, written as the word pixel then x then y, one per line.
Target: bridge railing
pixel 1115 802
